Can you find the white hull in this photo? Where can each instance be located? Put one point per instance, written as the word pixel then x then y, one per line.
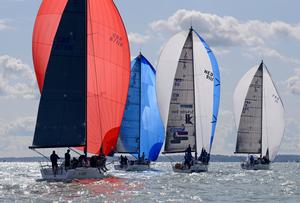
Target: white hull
pixel 258 166
pixel 134 167
pixel 195 168
pixel 77 173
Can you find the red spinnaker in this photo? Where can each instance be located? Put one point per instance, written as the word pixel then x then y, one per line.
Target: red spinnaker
pixel 108 66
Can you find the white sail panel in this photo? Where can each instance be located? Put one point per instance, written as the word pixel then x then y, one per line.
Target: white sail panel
pixel 166 69
pixel 204 90
pixel 273 117
pixel 240 93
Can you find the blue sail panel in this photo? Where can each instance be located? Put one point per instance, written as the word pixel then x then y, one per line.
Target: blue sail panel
pixel 152 130
pixel 217 88
pixel 129 137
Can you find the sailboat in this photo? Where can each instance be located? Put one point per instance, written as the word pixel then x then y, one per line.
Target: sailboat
pixel 82 64
pixel 188 91
pixel 142 131
pixel 259 117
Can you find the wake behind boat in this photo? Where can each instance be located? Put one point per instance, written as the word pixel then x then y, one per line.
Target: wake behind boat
pixel 141 133
pixel 259 116
pixel 188 89
pixel 82 79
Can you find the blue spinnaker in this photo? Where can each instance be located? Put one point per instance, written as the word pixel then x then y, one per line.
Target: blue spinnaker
pixel 217 88
pixel 142 131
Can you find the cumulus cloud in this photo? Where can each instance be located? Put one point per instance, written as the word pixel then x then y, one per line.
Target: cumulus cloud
pixel 271 53
pixel 225 137
pixel 226 30
pixel 19 127
pixel 3 24
pixel 16 136
pixel 17 79
pixel 291 140
pixel 137 38
pixel 293 83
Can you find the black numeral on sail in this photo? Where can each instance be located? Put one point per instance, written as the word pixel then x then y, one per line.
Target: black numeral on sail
pixel 117 39
pixel 209 75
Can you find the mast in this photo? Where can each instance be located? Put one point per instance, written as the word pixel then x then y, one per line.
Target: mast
pixel 193 67
pixel 86 73
pixel 262 102
pixel 140 101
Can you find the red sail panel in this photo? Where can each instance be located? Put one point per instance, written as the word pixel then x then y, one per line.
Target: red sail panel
pixel 108 75
pixel 45 28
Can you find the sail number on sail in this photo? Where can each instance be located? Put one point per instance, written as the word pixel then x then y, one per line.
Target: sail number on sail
pixel 209 75
pixel 115 38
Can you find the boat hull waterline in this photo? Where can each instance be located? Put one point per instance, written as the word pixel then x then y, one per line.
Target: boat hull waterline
pixel 195 168
pixel 134 167
pixel 248 166
pixel 72 174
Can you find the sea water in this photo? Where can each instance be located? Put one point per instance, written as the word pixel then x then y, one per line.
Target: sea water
pixel 225 182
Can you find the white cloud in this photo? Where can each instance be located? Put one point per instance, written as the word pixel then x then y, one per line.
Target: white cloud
pixel 270 53
pixel 226 30
pixel 3 24
pixel 225 136
pixel 16 136
pixel 291 140
pixel 22 126
pixel 293 83
pixel 137 38
pixel 17 79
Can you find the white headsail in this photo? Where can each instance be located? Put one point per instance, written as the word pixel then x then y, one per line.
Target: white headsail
pixel 188 92
pixel 259 113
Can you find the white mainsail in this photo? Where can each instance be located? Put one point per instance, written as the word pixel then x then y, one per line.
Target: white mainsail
pixel 259 119
pixel 187 60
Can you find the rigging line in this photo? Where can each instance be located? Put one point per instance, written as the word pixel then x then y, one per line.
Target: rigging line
pixel 261 104
pixel 41 154
pixel 194 94
pixel 95 70
pixel 86 74
pixel 74 150
pixel 140 103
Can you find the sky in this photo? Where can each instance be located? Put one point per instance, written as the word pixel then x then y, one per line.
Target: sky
pixel 241 34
